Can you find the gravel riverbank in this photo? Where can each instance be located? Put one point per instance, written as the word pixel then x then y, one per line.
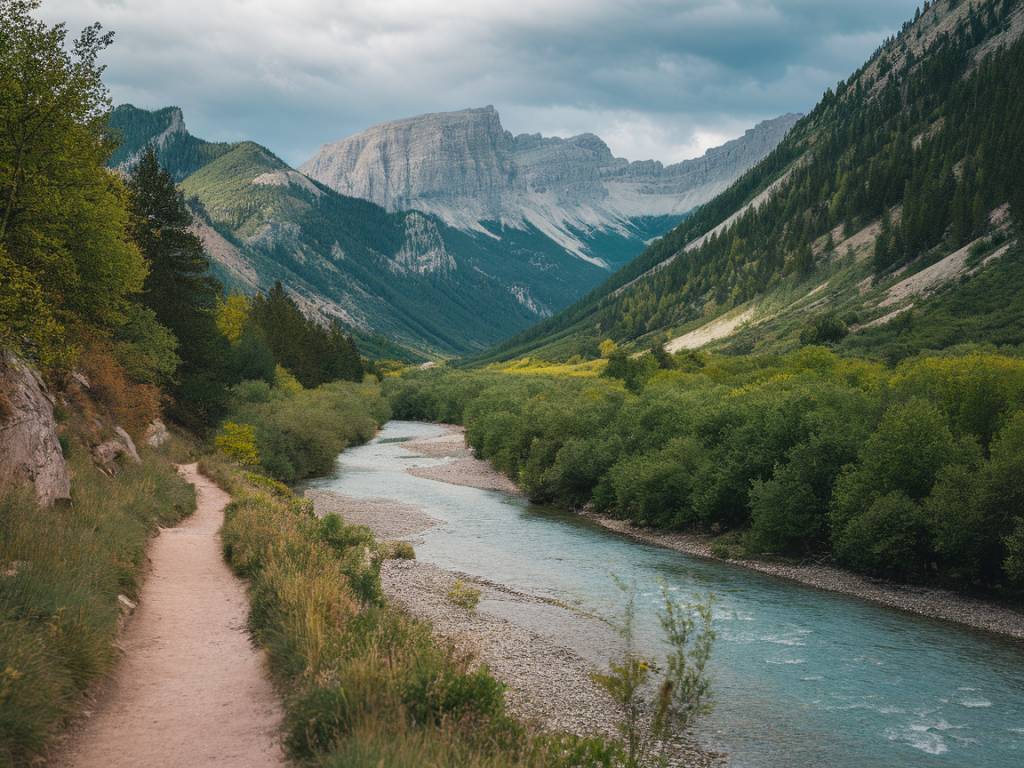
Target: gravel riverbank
pixel 923 601
pixel 463 469
pixel 543 651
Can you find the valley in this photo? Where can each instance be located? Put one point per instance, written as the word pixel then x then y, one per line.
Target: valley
pixel 379 435
pixel 803 677
pixel 412 274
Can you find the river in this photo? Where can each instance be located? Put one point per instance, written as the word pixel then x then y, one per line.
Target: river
pixel 802 678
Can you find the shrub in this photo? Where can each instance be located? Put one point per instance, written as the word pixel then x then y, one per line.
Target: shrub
pixel 826 329
pixel 889 538
pixel 131 405
pixel 396 550
pixel 238 443
pixel 299 434
pixel 683 691
pixel 463 595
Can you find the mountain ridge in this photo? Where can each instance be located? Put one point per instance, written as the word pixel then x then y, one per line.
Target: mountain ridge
pixel 464 167
pixel 894 170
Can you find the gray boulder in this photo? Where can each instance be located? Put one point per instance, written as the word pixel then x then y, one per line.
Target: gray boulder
pixel 107 454
pixel 30 453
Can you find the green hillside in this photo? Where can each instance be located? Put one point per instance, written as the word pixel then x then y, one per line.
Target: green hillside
pixel 180 152
pixel 910 167
pixel 433 290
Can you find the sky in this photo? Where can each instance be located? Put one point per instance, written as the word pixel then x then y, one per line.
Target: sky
pixel 656 79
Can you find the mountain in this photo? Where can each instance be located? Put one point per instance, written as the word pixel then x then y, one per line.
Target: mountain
pixel 885 222
pixel 408 276
pixel 468 170
pixel 415 276
pixel 180 152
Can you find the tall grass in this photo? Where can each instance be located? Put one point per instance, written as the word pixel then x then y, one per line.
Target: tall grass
pixel 61 571
pixel 365 684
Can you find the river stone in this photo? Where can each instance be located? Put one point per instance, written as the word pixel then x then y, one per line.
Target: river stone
pixel 30 453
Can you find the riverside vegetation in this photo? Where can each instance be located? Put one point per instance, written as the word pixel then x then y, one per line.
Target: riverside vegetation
pixel 365 683
pixel 908 472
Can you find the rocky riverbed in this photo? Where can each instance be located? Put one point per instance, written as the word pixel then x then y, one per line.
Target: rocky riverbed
pixel 521 638
pixel 934 603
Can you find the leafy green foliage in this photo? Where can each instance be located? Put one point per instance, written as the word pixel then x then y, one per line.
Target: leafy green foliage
pixel 299 434
pixel 906 472
pixel 63 221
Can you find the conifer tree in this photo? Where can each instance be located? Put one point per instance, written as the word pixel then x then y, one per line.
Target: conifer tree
pixel 179 289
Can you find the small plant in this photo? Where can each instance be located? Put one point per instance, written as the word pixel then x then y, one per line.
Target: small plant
pixel 682 687
pixel 463 595
pixel 396 550
pixel 238 442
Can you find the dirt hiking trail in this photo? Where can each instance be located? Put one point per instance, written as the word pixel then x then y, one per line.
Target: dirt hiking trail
pixel 190 690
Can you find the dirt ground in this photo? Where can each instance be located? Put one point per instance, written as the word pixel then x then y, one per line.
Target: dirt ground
pixel 191 689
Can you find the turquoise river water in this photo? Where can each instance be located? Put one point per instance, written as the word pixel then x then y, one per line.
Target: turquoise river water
pixel 802 677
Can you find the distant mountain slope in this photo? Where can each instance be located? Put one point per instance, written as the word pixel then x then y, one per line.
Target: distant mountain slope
pixel 181 153
pixel 911 167
pixel 468 170
pixel 407 275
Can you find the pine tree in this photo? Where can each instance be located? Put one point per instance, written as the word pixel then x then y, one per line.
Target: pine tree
pixel 180 290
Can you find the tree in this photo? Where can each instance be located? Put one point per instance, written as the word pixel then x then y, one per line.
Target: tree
pixel 180 290
pixel 312 353
pixel 62 214
pixel 232 315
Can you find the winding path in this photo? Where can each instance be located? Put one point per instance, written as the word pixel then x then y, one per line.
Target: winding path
pixel 191 689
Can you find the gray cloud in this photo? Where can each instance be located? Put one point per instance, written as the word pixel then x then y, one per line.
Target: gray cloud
pixel 654 78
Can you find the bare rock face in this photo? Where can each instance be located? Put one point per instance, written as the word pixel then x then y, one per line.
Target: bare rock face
pixel 30 452
pixel 467 169
pixel 423 249
pixel 107 454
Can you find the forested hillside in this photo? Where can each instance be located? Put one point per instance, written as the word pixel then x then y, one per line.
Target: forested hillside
pixel 915 157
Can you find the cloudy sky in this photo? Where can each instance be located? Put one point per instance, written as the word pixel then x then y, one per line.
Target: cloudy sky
pixel 663 79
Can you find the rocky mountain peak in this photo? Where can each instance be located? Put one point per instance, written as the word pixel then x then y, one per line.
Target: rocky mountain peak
pixel 466 168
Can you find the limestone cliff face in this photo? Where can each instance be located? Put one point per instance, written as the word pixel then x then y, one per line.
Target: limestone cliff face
pixel 464 167
pixel 30 453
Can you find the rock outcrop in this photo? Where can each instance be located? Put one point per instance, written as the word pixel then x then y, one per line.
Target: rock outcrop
pixel 467 169
pixel 108 454
pixel 30 452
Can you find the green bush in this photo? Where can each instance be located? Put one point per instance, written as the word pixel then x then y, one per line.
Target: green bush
pixel 463 595
pixel 789 450
pixel 299 434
